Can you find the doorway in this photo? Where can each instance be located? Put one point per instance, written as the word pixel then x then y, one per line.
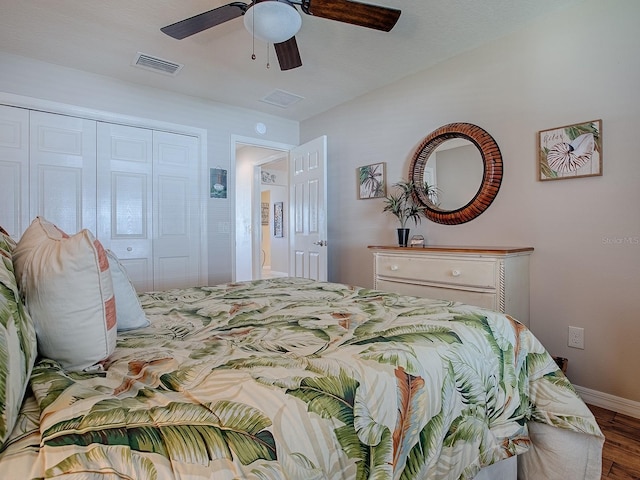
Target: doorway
pixel 303 210
pixel 262 180
pixel 274 198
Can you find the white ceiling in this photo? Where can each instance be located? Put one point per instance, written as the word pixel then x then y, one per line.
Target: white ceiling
pixel 340 61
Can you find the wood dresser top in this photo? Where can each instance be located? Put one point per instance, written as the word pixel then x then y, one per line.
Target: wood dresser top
pixel 487 250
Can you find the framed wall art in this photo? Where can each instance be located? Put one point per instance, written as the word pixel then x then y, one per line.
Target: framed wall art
pixel 371 181
pixel 217 183
pixel 278 219
pixel 264 210
pixel 571 151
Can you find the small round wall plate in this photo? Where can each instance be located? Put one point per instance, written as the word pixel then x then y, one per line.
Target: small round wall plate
pixel 261 128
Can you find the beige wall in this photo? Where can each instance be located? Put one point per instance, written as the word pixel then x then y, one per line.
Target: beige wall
pixel 573 67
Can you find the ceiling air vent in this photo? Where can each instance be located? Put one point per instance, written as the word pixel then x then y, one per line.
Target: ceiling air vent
pixel 282 99
pixel 156 64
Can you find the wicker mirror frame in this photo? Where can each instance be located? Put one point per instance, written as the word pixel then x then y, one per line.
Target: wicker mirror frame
pixel 491 178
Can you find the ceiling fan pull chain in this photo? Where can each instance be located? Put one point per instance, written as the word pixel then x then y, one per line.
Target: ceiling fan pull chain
pixel 253 37
pixel 268 66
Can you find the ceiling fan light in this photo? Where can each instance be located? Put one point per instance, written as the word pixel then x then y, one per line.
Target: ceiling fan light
pixel 272 21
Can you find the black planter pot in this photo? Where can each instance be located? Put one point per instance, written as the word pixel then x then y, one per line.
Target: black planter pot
pixel 403 237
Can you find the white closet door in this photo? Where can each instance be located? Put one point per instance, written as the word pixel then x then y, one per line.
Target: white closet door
pixel 176 205
pixel 125 166
pixel 14 170
pixel 63 170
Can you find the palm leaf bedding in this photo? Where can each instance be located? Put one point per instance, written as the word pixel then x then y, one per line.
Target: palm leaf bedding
pixel 296 379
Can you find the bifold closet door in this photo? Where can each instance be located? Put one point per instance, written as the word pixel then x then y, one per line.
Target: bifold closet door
pixel 14 170
pixel 176 211
pixel 138 190
pixel 149 205
pixel 125 176
pixel 62 186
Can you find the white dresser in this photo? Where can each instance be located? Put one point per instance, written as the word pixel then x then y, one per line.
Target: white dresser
pixel 492 277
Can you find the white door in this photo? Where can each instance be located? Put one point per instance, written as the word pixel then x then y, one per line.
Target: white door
pixel 14 170
pixel 176 211
pixel 308 210
pixel 125 174
pixel 63 170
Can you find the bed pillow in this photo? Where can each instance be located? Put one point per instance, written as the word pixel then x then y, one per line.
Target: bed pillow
pixel 129 313
pixel 67 287
pixel 17 342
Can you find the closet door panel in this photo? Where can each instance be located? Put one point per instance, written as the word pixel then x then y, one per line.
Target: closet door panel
pixel 14 170
pixel 125 164
pixel 139 190
pixel 63 170
pixel 176 204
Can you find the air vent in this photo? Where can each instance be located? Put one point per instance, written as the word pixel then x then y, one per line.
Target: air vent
pixel 281 99
pixel 156 64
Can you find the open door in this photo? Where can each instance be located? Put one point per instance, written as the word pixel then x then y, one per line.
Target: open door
pixel 308 210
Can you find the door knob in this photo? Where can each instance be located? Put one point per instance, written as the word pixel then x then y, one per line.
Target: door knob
pixel 322 243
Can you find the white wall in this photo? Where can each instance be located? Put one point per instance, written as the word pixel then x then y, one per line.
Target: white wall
pixel 30 78
pixel 279 245
pixel 573 67
pixel 279 192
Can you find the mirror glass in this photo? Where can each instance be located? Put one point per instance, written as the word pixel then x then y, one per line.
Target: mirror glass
pixel 463 165
pixel 455 170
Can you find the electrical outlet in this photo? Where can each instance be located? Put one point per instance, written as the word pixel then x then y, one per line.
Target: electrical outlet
pixel 576 337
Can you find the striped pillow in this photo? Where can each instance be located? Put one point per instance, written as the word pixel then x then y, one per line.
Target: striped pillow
pixel 67 287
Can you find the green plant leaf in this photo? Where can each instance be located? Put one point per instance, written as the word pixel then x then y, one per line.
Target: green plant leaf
pixel 187 432
pixel 409 334
pixel 334 397
pixel 100 461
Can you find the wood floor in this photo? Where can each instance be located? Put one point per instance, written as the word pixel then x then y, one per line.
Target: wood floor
pixel 621 453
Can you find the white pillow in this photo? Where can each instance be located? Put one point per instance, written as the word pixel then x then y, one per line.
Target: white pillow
pixel 67 287
pixel 128 310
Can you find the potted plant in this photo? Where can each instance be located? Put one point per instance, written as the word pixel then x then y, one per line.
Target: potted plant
pixel 402 204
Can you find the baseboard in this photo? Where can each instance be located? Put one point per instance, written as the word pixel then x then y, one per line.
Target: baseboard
pixel 610 402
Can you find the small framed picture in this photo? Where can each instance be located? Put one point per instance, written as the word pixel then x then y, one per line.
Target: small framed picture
pixel 218 183
pixel 371 181
pixel 572 151
pixel 278 219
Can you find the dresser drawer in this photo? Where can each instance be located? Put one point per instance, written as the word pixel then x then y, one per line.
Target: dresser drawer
pixel 480 299
pixel 450 270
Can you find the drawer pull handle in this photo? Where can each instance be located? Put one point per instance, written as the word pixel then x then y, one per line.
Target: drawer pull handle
pixel 129 249
pixel 394 268
pixel 456 273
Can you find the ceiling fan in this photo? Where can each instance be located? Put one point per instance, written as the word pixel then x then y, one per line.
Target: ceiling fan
pixel 277 21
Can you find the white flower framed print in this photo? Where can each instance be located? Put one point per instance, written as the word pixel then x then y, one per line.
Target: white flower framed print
pixel 571 151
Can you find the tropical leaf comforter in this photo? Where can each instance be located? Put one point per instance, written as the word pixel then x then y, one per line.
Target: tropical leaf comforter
pixel 294 379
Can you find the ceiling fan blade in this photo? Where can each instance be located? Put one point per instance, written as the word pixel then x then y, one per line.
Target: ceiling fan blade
pixel 355 13
pixel 190 26
pixel 288 54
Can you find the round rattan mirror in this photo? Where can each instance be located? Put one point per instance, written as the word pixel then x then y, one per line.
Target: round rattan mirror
pixel 491 172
